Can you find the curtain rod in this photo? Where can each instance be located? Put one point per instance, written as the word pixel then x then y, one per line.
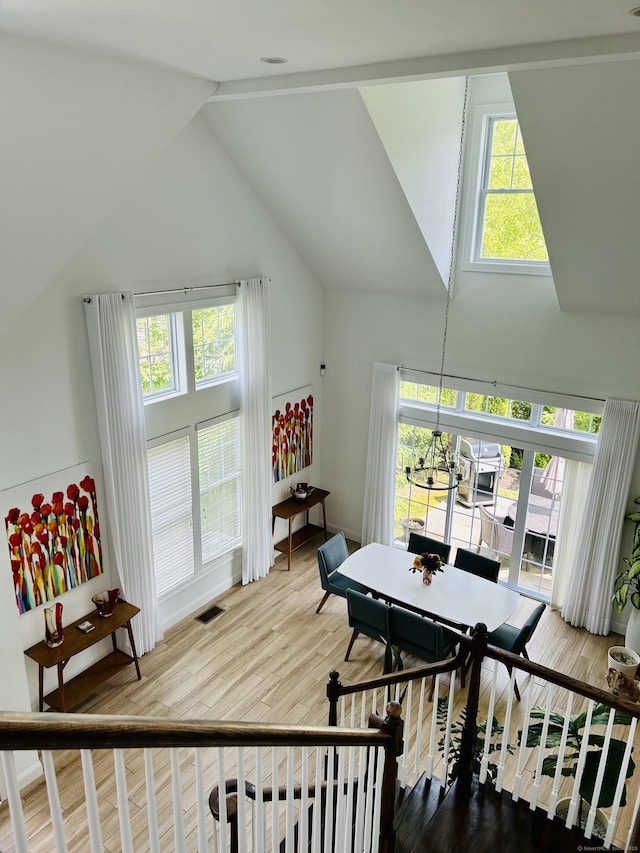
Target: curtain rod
pixel 495 384
pixel 186 289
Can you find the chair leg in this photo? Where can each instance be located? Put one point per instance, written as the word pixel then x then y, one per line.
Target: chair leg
pixel 351 642
pixel 524 654
pixel 515 683
pixel 321 605
pixel 431 689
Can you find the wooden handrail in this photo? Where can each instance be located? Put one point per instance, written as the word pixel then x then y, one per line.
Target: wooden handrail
pixel 23 730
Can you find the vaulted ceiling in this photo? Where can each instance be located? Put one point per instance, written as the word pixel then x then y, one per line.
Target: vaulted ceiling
pixel 341 125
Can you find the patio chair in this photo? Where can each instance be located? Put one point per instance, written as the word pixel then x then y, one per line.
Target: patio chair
pixel 418 544
pixel 331 555
pixel 476 564
pixel 497 537
pixel 369 616
pixel 514 640
pixel 420 636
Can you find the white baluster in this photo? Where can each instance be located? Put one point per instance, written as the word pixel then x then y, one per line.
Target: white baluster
pixel 447 735
pixel 360 800
pixel 634 818
pixel 222 803
pixel 541 749
pixel 123 802
pixel 522 754
pixel 582 757
pixel 54 802
pixel 613 817
pixel 93 814
pixel 260 828
pixel 274 798
pixel 289 804
pixel 304 799
pixel 557 777
pixel 402 764
pixel 507 726
pixel 588 830
pixel 176 788
pixel 328 818
pixel 152 813
pixel 375 835
pixel 201 802
pixel 348 835
pixel 419 729
pixel 15 803
pixel 316 833
pixel 368 808
pixel 340 800
pixel 484 761
pixel 242 801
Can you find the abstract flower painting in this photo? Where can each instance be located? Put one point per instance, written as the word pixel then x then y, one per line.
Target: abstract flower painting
pixel 292 428
pixel 54 542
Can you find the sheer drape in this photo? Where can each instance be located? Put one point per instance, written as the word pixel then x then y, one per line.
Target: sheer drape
pixel 254 363
pixel 595 560
pixel 111 327
pixel 380 480
pixel 574 496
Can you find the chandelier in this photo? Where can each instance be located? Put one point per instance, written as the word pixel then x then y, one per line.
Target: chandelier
pixel 440 470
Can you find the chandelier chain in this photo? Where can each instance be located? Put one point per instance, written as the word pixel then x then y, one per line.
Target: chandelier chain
pixel 453 248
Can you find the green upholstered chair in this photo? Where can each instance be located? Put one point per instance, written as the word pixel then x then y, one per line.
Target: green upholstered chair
pixel 476 564
pixel 331 555
pixel 420 636
pixel 514 640
pixel 418 544
pixel 369 616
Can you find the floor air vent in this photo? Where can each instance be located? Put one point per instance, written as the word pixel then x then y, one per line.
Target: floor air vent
pixel 210 614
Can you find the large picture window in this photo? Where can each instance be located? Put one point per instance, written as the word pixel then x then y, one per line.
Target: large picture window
pixel 523 478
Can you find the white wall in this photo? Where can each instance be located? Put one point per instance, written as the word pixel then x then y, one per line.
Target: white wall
pixel 190 219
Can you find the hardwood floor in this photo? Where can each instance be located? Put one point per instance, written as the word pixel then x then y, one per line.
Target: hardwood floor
pixel 267 658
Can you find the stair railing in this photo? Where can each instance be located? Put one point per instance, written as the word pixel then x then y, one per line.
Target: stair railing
pixel 164 773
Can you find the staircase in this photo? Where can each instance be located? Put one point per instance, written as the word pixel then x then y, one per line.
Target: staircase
pixel 479 819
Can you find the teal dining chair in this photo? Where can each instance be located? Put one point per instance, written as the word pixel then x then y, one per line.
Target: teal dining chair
pixel 477 564
pixel 418 544
pixel 420 636
pixel 515 640
pixel 369 616
pixel 331 555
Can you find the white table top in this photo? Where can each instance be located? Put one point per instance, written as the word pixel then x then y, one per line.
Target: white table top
pixel 453 596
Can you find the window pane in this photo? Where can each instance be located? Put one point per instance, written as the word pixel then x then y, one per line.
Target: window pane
pixel 214 349
pixel 428 394
pixel 155 354
pixel 512 229
pixel 171 512
pixel 220 500
pixel 504 136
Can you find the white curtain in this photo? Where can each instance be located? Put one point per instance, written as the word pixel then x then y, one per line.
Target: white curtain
pixel 380 479
pixel 574 495
pixel 254 363
pixel 111 327
pixel 595 560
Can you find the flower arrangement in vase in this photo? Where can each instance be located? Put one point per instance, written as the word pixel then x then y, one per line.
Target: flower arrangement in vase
pixel 428 564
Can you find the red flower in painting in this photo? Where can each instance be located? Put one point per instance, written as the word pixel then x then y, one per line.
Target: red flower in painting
pixel 96 531
pixel 87 483
pixel 25 521
pixel 15 539
pixel 45 509
pixel 83 503
pixel 58 558
pixel 13 515
pixel 63 541
pixel 310 400
pixel 72 492
pixel 68 508
pixel 28 528
pixel 43 536
pixel 35 518
pixel 36 500
pixel 57 508
pixel 57 497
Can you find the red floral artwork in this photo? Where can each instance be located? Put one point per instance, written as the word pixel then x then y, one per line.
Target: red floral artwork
pixel 292 428
pixel 54 544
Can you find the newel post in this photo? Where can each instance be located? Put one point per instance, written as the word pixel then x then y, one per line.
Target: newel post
pixel 393 724
pixel 468 743
pixel 333 694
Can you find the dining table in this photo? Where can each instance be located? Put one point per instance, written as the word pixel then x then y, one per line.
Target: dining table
pixel 454 596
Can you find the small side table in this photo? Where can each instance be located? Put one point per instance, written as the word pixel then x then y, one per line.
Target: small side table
pixel 75 641
pixel 288 510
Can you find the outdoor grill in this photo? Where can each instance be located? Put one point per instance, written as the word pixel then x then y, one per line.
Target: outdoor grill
pixel 482 462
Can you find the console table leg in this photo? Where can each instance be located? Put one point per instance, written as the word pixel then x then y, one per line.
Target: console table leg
pixel 133 648
pixel 41 686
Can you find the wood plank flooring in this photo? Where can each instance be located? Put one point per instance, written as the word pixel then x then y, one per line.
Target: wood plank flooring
pixel 267 658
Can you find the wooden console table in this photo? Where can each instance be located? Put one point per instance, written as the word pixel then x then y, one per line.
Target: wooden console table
pixel 289 509
pixel 75 641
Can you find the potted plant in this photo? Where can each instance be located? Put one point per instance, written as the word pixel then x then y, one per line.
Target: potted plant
pixel 569 760
pixel 455 741
pixel 627 586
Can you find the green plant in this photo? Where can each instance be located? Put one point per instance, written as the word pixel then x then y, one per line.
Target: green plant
pixel 627 584
pixel 575 738
pixel 455 741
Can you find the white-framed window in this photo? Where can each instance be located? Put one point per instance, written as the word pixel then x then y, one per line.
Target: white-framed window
pixel 504 232
pixel 219 480
pixel 523 464
pixel 214 343
pixel 160 355
pixel 170 493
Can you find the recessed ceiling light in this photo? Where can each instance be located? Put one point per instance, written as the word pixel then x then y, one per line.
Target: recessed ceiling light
pixel 273 60
pixel 635 12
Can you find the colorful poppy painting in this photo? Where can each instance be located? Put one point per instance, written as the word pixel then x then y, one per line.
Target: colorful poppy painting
pixel 292 427
pixel 54 543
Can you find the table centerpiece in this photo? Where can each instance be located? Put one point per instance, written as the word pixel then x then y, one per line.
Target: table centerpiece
pixel 428 564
